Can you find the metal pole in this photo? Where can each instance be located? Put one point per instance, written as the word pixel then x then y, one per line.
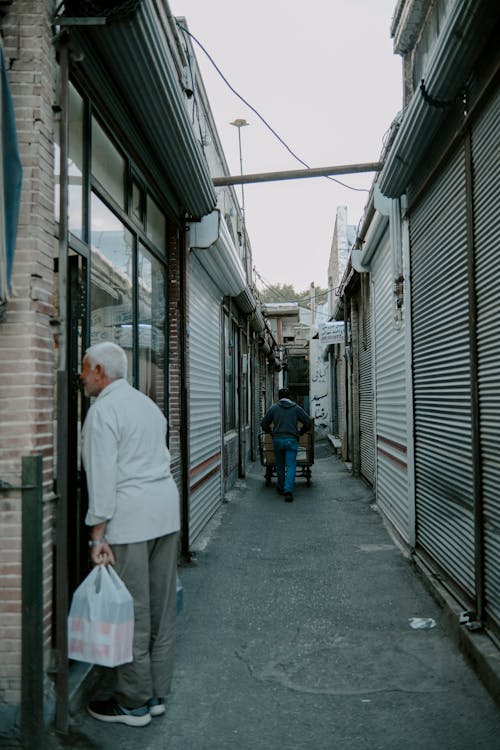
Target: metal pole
pixel 475 425
pixel 32 603
pixel 296 174
pixel 243 215
pixel 241 175
pixel 240 123
pixel 61 583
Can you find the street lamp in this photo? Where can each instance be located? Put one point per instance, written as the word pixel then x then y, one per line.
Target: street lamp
pixel 241 123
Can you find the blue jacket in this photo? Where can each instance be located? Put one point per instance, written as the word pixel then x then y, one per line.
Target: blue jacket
pixel 284 416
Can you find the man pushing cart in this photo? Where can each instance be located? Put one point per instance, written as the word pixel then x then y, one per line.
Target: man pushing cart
pixel 282 423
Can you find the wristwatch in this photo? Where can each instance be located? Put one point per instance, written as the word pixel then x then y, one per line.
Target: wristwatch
pixel 96 542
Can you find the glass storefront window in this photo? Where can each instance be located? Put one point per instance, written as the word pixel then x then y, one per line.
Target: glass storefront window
pixel 137 202
pixel 111 298
pixel 108 166
pixel 75 165
pixel 155 224
pixel 128 283
pixel 151 324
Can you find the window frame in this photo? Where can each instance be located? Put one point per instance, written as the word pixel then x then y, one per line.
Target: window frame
pixel 124 213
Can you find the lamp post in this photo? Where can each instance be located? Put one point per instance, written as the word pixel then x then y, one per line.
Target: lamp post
pixel 240 123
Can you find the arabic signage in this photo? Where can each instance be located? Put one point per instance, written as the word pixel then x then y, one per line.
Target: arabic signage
pixel 332 332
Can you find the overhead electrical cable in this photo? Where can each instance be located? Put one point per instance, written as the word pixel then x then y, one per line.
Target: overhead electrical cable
pixel 273 131
pixel 273 288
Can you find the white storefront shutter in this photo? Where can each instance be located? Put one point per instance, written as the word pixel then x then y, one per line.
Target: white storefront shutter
pixel 205 403
pixel 485 157
pixel 390 395
pixel 441 367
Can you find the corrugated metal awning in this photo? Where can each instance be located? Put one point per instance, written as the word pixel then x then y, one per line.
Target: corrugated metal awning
pixel 462 37
pixel 128 65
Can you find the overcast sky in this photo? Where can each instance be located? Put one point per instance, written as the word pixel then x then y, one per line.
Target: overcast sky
pixel 324 76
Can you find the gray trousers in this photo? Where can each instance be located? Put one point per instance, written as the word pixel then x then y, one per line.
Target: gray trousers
pixel 148 570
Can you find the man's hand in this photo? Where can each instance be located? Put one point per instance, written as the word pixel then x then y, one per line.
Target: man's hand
pixel 102 554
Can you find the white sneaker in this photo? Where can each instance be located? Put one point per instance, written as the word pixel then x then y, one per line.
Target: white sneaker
pixel 156 706
pixel 112 712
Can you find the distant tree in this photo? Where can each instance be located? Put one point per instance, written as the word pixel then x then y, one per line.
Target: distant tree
pixel 287 293
pixel 279 293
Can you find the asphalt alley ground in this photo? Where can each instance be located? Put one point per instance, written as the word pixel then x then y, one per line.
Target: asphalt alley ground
pixel 297 633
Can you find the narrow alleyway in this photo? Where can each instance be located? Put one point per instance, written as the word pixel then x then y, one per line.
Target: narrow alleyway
pixel 297 632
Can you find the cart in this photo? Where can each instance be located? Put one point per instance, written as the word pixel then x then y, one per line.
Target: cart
pixel 305 455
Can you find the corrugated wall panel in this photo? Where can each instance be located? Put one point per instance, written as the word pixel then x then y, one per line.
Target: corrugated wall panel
pixel 392 488
pixel 255 369
pixel 366 406
pixel 205 403
pixel 339 390
pixel 354 380
pixel 441 366
pixel 486 187
pixel 390 395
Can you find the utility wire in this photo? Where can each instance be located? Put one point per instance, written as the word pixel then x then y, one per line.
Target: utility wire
pixel 273 287
pixel 273 131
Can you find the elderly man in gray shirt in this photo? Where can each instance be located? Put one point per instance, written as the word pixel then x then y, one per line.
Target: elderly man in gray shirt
pixel 134 521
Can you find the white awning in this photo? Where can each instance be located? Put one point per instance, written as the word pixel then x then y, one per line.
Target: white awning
pixel 211 242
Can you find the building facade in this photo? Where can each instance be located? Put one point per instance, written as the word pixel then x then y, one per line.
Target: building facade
pixel 426 246
pixel 113 185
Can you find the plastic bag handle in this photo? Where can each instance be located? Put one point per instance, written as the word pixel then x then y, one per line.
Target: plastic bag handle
pixel 99 586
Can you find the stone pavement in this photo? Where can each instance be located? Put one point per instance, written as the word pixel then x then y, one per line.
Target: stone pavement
pixel 302 628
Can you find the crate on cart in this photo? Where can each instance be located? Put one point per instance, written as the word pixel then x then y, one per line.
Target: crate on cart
pixel 305 455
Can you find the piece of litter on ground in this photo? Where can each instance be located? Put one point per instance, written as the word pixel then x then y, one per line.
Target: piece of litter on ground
pixel 375 547
pixel 421 623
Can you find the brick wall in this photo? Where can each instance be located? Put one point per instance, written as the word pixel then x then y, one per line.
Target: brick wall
pixel 26 343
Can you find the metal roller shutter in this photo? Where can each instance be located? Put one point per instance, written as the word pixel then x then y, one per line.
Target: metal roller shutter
pixel 255 381
pixel 390 396
pixel 441 367
pixel 205 403
pixel 367 443
pixel 486 186
pixel 354 386
pixel 341 406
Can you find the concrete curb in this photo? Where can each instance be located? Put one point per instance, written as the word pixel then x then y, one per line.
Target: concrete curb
pixel 478 648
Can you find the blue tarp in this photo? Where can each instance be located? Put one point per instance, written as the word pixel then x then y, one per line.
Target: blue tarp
pixel 10 183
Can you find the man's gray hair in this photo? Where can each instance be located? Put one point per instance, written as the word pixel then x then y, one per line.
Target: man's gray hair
pixel 110 356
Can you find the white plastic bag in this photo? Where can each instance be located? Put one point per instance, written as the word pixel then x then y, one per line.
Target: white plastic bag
pixel 101 620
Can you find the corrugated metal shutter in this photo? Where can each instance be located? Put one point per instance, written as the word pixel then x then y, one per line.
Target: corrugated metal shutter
pixel 255 380
pixel 486 157
pixel 205 403
pixel 390 395
pixel 354 447
pixel 366 410
pixel 441 362
pixel 340 390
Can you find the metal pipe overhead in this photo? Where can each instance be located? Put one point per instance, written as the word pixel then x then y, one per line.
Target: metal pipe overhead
pixel 296 174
